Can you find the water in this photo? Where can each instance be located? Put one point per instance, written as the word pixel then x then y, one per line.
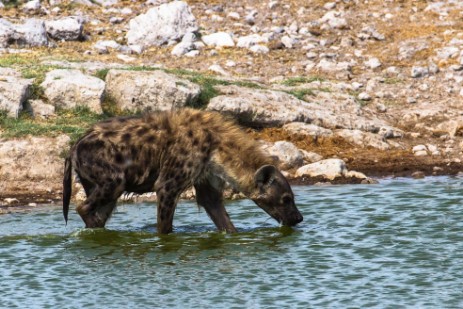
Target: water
pixel 398 244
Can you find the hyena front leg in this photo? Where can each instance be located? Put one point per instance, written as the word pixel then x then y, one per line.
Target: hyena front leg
pixel 209 194
pixel 167 198
pixel 99 205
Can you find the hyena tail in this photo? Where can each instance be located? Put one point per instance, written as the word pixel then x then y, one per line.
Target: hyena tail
pixel 67 187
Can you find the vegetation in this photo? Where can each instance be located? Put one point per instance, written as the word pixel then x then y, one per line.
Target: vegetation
pixel 72 122
pixel 294 81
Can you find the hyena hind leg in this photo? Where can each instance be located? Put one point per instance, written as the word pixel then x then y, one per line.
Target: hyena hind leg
pixel 100 204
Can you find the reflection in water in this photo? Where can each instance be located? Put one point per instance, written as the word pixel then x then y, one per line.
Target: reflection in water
pixel 396 244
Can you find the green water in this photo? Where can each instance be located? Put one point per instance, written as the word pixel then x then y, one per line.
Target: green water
pixel 398 244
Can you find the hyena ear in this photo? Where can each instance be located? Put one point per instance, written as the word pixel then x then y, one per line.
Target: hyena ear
pixel 265 175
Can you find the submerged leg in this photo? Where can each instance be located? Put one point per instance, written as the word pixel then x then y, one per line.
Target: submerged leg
pixel 211 198
pixel 167 201
pixel 99 205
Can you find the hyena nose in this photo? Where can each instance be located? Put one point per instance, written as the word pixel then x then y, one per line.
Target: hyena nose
pixel 298 218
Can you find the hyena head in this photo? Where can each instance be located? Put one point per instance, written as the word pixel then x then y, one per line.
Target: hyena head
pixel 274 195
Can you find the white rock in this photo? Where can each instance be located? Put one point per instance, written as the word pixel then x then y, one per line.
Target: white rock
pixel 364 96
pixel 251 40
pixel 355 174
pixel 218 39
pixel 418 148
pixel 30 34
pixel 234 15
pixel 329 168
pixel 72 88
pixel 149 90
pixel 65 29
pixel 167 22
pixel 373 63
pixel 288 154
pixel 334 20
pixel 307 129
pixel 364 139
pixel 40 109
pixel 311 157
pixel 14 91
pixel 261 107
pixel 259 49
pixel 32 6
pixel 218 69
pixel 182 48
pixel 418 72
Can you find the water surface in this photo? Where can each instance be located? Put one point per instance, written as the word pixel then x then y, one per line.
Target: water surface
pixel 395 244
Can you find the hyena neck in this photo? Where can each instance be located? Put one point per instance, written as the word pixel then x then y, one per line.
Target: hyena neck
pixel 239 170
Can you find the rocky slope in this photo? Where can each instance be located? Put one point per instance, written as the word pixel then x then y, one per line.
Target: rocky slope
pixel 377 84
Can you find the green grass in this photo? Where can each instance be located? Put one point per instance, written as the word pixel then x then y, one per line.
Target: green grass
pixel 72 122
pixel 294 81
pixel 301 93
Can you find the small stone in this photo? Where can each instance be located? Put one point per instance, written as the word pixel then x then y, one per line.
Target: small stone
pixel 418 175
pixel 234 15
pixel 364 96
pixel 418 72
pixel 373 63
pixel 259 49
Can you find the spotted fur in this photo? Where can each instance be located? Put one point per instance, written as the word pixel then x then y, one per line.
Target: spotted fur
pixel 168 152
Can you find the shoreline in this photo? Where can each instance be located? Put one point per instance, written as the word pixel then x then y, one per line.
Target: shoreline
pixel 21 201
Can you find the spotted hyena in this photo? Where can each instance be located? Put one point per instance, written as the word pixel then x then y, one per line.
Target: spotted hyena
pixel 168 152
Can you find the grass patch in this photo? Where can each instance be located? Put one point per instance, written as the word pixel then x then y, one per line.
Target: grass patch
pixel 392 81
pixel 73 122
pixel 101 74
pixel 294 81
pixel 301 93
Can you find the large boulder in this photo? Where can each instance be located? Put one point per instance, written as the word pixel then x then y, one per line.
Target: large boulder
pixel 149 90
pixel 65 29
pixel 267 108
pixel 14 91
pixel 32 160
pixel 329 169
pixel 161 24
pixel 30 34
pixel 72 88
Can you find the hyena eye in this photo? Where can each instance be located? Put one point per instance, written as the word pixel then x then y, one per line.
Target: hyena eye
pixel 287 200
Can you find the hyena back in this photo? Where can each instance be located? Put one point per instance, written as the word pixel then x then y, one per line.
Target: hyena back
pixel 168 152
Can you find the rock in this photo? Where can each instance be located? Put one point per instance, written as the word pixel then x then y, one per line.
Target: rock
pixel 334 20
pixel 218 69
pixel 418 72
pixel 288 154
pixel 259 49
pixel 65 29
pixel 418 175
pixel 103 47
pixel 364 96
pixel 167 22
pixel 32 6
pixel 30 34
pixel 307 129
pixel 182 48
pixel 14 91
pixel 329 168
pixel 364 139
pixel 355 174
pixel 390 132
pixel 373 63
pixel 311 157
pixel 32 159
pixel 71 88
pixel 251 40
pixel 267 108
pixel 218 39
pixel 149 90
pixel 40 109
